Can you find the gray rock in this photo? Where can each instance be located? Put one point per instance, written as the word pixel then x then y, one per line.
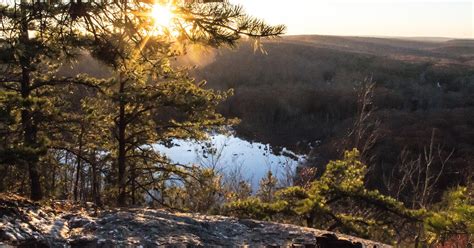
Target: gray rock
pixel 78 221
pixel 154 228
pixel 8 236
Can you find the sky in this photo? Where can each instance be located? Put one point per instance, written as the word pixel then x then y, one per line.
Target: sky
pixel 408 18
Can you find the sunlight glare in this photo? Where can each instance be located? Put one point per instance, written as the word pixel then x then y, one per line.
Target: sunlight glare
pixel 162 15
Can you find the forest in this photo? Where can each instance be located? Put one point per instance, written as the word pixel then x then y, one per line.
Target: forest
pixel 308 92
pixel 88 88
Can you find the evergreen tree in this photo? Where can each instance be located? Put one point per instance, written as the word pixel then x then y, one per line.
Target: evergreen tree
pixel 268 187
pixel 36 38
pixel 147 100
pixel 452 219
pixel 337 201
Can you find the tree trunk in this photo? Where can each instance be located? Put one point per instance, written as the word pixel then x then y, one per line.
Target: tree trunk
pixel 29 127
pixel 64 194
pixel 79 166
pixel 121 160
pixel 53 183
pixel 133 177
pixel 29 139
pixel 3 176
pixel 95 182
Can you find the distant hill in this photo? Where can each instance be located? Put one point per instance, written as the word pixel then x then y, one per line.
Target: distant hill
pixel 417 38
pixel 306 58
pixel 302 94
pixel 382 46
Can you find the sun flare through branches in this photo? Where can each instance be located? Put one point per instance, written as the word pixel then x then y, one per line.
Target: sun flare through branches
pixel 163 15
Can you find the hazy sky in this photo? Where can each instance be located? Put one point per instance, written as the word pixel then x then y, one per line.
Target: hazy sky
pixel 435 18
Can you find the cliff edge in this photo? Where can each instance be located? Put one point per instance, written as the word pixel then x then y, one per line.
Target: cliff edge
pixel 62 224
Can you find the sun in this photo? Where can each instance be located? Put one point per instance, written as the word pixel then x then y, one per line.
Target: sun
pixel 162 15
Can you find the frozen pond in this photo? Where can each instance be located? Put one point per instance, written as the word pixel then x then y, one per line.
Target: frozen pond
pixel 229 154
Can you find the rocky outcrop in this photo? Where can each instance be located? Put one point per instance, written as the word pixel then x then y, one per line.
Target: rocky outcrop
pixel 25 224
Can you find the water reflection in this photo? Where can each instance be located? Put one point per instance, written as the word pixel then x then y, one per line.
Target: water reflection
pixel 229 153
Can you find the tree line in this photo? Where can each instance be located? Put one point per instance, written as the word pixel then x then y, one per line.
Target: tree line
pixel 309 99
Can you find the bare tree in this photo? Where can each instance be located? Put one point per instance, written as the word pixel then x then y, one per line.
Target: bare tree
pixel 364 133
pixel 288 173
pixel 211 154
pixel 414 180
pixel 236 185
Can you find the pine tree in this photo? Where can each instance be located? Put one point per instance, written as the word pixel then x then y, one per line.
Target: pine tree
pixel 36 38
pixel 452 219
pixel 147 100
pixel 337 201
pixel 268 187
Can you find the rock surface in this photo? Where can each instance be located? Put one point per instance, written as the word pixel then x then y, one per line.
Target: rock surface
pixel 26 224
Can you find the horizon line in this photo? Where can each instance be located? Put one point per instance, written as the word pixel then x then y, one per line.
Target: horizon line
pixel 384 36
